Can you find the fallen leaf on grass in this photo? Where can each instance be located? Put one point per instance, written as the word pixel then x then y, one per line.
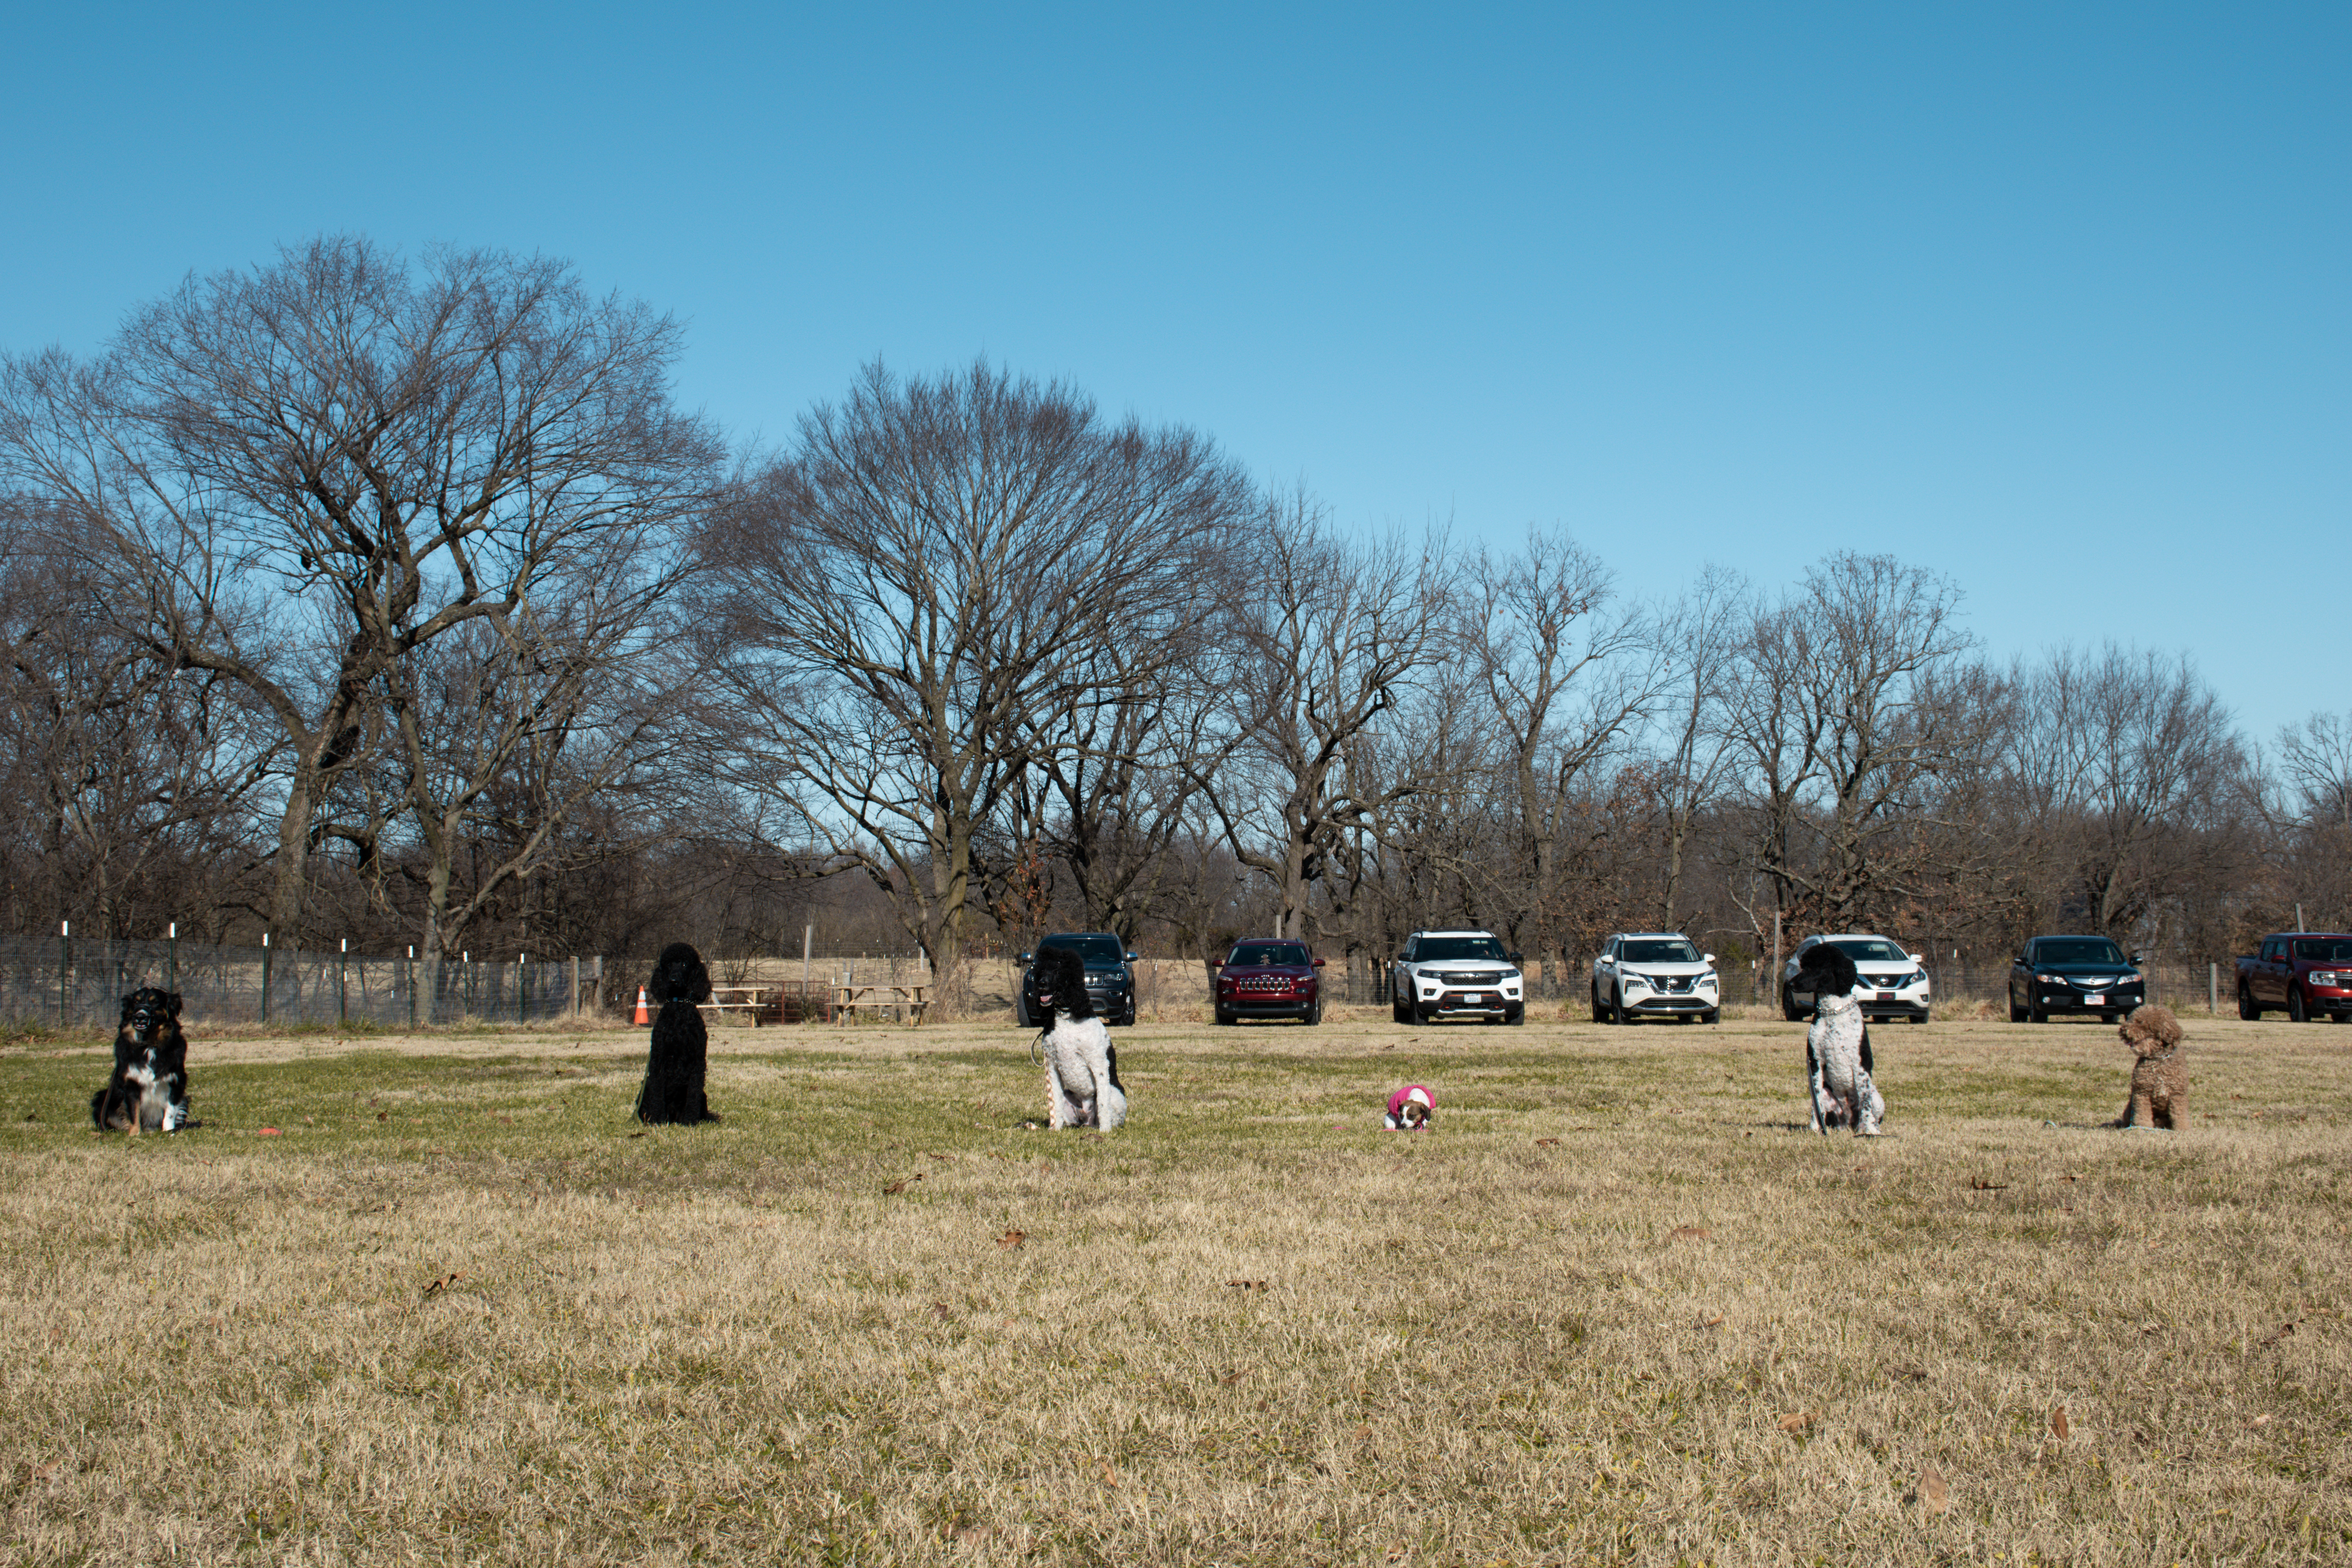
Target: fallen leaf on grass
pixel 1235 1375
pixel 1547 1143
pixel 2285 1330
pixel 1909 1374
pixel 1708 1322
pixel 2058 1423
pixel 1365 1430
pixel 383 1116
pixel 445 1281
pixel 269 1133
pixel 943 1309
pixel 1689 1233
pixel 1011 1239
pixel 1245 1284
pixel 1979 1184
pixel 1936 1496
pixel 1797 1420
pixel 2260 1421
pixel 900 1186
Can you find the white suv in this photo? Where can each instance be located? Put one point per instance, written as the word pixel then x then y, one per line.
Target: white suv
pixel 1653 974
pixel 1894 983
pixel 1456 974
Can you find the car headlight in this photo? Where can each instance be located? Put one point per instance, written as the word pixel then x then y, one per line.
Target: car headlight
pixel 1641 980
pixel 1707 982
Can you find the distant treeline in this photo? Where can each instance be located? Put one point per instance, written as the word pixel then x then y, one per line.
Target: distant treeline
pixel 357 597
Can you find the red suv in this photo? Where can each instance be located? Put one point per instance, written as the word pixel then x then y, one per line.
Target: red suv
pixel 1269 979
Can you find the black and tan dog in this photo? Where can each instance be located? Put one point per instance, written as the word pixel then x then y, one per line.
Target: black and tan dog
pixel 681 1044
pixel 149 1090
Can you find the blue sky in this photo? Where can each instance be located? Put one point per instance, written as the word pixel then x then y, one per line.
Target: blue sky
pixel 2051 298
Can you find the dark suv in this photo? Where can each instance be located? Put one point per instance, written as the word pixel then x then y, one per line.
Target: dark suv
pixel 1110 983
pixel 2072 974
pixel 1269 979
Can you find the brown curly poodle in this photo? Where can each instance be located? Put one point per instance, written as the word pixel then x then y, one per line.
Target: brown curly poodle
pixel 2160 1084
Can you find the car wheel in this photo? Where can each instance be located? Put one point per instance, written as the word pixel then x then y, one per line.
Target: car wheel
pixel 1519 1017
pixel 1021 1011
pixel 2111 1018
pixel 1398 1012
pixel 1224 1019
pixel 1712 1014
pixel 1918 1017
pixel 1314 1014
pixel 1620 1017
pixel 1788 1008
pixel 2016 1012
pixel 2296 1010
pixel 2246 1008
pixel 1599 1014
pixel 2036 1015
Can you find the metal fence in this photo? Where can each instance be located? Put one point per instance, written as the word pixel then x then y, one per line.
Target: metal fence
pixel 81 982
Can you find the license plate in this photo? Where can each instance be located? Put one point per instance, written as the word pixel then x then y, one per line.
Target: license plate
pixel 1886 997
pixel 2092 998
pixel 1474 998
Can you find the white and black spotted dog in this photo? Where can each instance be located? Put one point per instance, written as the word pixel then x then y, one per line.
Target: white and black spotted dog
pixel 149 1090
pixel 1837 1045
pixel 1082 1086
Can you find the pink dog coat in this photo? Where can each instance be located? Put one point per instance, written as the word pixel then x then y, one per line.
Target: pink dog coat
pixel 1412 1094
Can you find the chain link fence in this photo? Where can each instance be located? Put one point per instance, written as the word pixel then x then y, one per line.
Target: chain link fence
pixel 80 982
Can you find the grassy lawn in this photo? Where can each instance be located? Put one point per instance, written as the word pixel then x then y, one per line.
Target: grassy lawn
pixel 1616 1306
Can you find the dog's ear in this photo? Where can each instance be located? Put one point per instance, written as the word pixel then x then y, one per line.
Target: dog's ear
pixel 697 982
pixel 175 1006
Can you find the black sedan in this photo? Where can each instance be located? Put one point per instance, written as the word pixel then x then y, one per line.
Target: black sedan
pixel 2072 974
pixel 1110 982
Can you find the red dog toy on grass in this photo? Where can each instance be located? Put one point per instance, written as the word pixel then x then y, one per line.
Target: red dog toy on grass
pixel 1410 1108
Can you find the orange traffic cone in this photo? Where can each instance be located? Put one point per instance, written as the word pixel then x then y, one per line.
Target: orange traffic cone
pixel 644 1015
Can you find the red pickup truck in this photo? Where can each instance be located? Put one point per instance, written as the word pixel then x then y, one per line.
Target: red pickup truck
pixel 2309 973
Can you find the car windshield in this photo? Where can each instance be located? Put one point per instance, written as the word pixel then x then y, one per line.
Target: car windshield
pixel 1672 951
pixel 1270 952
pixel 2078 949
pixel 2333 949
pixel 1436 949
pixel 1870 950
pixel 1093 949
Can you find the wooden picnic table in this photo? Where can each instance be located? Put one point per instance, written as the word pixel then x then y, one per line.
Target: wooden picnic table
pixel 756 1003
pixel 906 1000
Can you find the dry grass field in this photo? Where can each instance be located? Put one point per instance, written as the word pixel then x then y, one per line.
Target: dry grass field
pixel 441 1300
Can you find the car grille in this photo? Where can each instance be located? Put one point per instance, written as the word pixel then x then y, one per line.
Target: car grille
pixel 1475 979
pixel 1264 983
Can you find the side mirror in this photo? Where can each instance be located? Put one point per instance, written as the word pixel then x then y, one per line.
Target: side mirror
pixel 1133 957
pixel 1026 957
pixel 2138 959
pixel 1706 958
pixel 1515 958
pixel 1319 964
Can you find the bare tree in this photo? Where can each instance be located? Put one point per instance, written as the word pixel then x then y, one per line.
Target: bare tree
pixel 304 474
pixel 1332 631
pixel 922 588
pixel 1698 638
pixel 1565 677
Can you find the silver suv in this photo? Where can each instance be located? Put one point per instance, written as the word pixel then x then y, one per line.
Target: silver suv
pixel 1653 974
pixel 1456 974
pixel 1894 983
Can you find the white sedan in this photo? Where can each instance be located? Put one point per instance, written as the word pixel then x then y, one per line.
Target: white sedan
pixel 1894 983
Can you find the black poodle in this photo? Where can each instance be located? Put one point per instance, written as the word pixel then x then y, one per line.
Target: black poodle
pixel 674 1068
pixel 149 1090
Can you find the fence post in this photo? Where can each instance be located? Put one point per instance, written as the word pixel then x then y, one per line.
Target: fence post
pixel 412 987
pixel 265 977
pixel 171 962
pixel 342 990
pixel 600 983
pixel 2213 989
pixel 521 960
pixel 574 1009
pixel 65 964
